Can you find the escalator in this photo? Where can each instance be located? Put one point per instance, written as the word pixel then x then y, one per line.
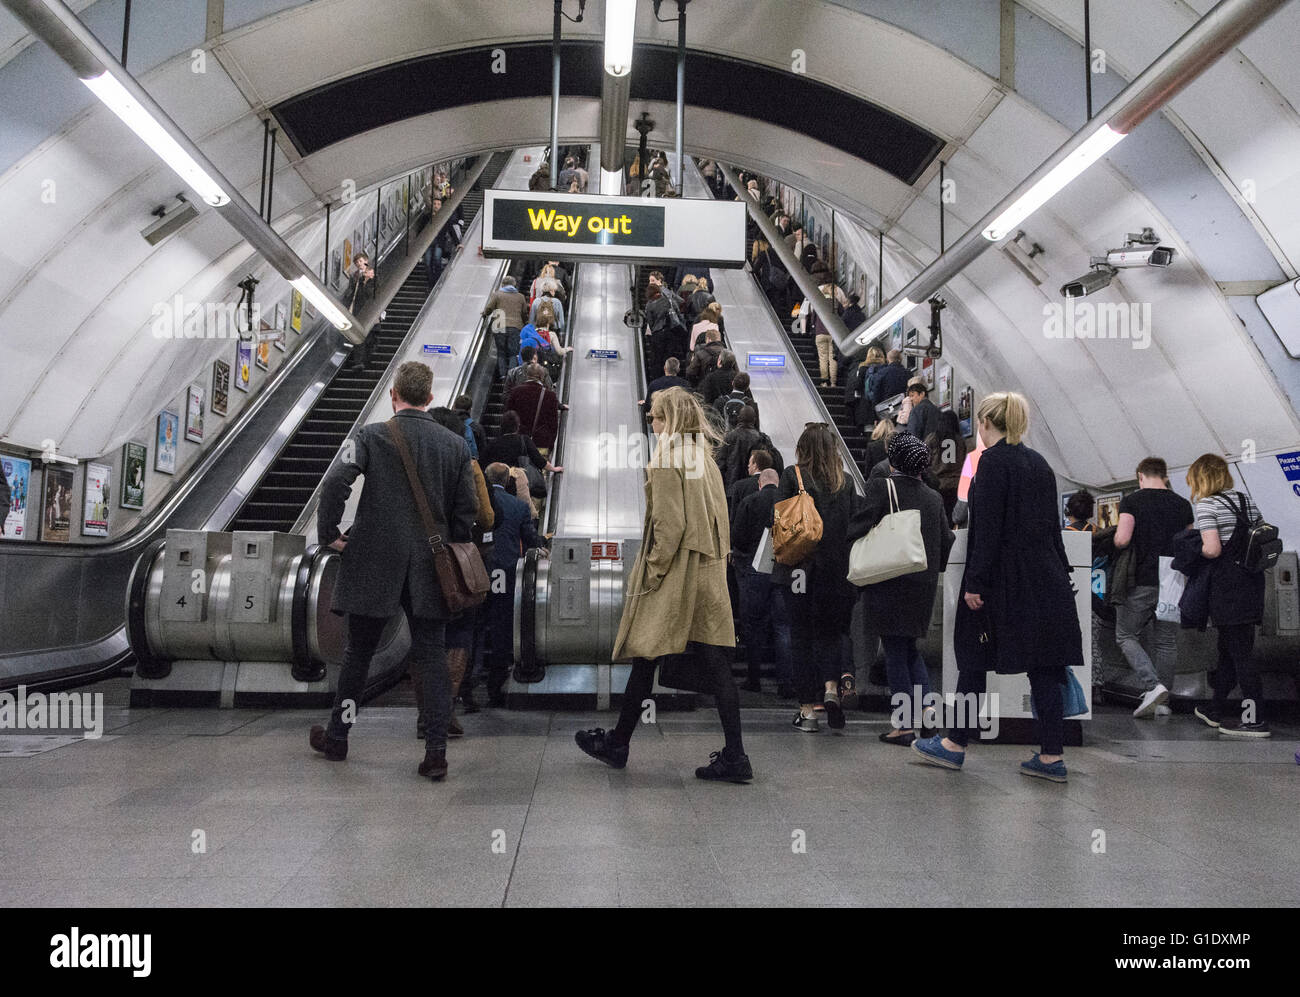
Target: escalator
pixel 292 479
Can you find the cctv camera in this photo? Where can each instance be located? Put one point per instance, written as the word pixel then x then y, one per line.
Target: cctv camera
pixel 1090 283
pixel 1139 256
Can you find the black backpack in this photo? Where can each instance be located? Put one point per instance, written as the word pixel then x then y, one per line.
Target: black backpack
pixel 731 409
pixel 1259 546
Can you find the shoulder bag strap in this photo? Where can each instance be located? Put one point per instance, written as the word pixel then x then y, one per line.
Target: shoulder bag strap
pixel 541 397
pixel 417 489
pixel 893 496
pixel 799 477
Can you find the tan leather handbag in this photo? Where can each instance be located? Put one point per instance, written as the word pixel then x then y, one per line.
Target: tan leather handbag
pixel 796 526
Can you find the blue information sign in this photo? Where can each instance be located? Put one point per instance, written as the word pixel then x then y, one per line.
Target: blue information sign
pixel 602 354
pixel 767 360
pixel 436 348
pixel 1290 463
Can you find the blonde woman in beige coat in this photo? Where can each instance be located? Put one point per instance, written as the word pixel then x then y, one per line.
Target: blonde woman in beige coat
pixel 677 589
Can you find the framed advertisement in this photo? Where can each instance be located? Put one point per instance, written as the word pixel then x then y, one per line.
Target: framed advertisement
pixel 279 316
pixel 1108 510
pixel 944 386
pixel 264 354
pixel 18 476
pixel 96 500
pixel 169 428
pixel 194 415
pixel 336 269
pixel 966 411
pixel 220 387
pixel 56 515
pixel 347 254
pixel 243 365
pixel 295 312
pixel 134 456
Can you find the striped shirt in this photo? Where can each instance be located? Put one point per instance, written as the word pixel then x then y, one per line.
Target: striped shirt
pixel 1214 513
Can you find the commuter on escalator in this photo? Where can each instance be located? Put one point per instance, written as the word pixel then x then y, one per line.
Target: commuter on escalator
pixel 765 620
pixel 677 589
pixel 360 290
pixel 514 308
pixel 862 412
pixel 1017 613
pixel 444 246
pixel 730 404
pixel 947 457
pixel 710 318
pixel 544 301
pixel 670 380
pixel 477 435
pixel 387 564
pixel 899 609
pixel 924 417
pixel 854 316
pixel 737 445
pixel 759 461
pixel 513 534
pixel 719 381
pixel 460 631
pixel 887 381
pixel 538 409
pixel 527 357
pixel 818 590
pixel 516 449
pixel 705 358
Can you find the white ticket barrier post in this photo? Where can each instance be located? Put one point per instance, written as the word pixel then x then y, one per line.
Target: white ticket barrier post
pixel 1012 691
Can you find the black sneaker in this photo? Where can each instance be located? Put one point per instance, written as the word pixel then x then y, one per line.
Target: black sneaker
pixel 724 769
pixel 834 712
pixel 1235 728
pixel 1208 715
pixel 597 744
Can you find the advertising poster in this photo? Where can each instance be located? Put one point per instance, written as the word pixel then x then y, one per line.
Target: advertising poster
pixel 56 516
pixel 347 254
pixel 1108 510
pixel 279 316
pixel 169 428
pixel 336 269
pixel 264 354
pixel 243 365
pixel 966 411
pixel 18 476
pixel 194 415
pixel 98 498
pixel 134 456
pixel 295 313
pixel 220 387
pixel 945 386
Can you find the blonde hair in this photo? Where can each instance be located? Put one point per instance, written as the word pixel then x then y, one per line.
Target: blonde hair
pixel 874 355
pixel 711 312
pixel 1008 412
pixel 885 428
pixel 1208 475
pixel 683 416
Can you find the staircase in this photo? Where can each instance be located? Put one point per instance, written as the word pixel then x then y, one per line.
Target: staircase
pixel 291 480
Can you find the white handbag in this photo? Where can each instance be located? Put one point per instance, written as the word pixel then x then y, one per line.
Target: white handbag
pixel 764 557
pixel 1172 583
pixel 895 546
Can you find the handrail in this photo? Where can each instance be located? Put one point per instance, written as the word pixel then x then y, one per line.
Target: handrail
pixel 551 511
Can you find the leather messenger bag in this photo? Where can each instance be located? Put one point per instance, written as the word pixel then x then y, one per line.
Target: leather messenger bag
pixel 459 567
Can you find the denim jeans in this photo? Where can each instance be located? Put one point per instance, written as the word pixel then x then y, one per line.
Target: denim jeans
pixel 433 264
pixel 906 669
pixel 1134 615
pixel 428 654
pixel 765 619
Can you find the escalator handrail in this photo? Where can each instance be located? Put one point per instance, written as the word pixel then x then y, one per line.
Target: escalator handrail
pixel 551 511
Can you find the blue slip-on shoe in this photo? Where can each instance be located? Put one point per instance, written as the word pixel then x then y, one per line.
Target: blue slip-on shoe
pixel 933 752
pixel 1035 767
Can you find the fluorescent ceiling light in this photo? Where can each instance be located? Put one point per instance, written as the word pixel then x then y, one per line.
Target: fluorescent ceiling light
pixel 1089 151
pixel 886 319
pixel 109 89
pixel 620 26
pixel 323 302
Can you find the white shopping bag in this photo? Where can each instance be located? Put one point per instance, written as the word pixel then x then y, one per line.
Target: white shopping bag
pixel 1172 583
pixel 763 557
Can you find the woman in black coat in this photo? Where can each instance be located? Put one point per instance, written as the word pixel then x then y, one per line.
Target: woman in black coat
pixel 1017 614
pixel 820 598
pixel 899 609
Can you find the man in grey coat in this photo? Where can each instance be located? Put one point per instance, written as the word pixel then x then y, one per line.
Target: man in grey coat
pixel 386 562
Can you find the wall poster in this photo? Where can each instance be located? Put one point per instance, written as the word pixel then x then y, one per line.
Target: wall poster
pixel 295 313
pixel 56 519
pixel 18 476
pixel 243 365
pixel 966 411
pixel 220 387
pixel 1108 510
pixel 134 456
pixel 169 428
pixel 96 501
pixel 264 354
pixel 945 386
pixel 194 415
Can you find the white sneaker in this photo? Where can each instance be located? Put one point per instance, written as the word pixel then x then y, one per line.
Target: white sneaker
pixel 1154 698
pixel 1163 711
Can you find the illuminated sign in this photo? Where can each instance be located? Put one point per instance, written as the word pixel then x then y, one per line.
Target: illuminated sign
pixel 598 227
pixel 766 360
pixel 602 354
pixel 437 348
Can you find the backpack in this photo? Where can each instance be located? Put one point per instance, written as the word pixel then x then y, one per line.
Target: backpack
pixel 1261 546
pixel 778 279
pixel 796 527
pixel 497 322
pixel 469 437
pixel 676 321
pixel 731 409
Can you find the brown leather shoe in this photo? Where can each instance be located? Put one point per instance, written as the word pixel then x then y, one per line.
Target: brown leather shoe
pixel 333 750
pixel 434 765
pixel 454 729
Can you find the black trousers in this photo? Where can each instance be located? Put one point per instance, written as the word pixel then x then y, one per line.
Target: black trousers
pixel 717 661
pixel 1237 667
pixel 1049 701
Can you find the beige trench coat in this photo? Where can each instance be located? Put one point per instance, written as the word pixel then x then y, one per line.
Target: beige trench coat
pixel 677 590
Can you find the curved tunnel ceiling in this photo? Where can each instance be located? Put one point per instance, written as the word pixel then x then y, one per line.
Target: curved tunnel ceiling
pixel 445 80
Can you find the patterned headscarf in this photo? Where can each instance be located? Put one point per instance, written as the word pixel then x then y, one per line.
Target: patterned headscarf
pixel 908 454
